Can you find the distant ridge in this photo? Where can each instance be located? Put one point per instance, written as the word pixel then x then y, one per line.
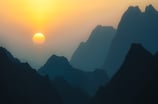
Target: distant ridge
pixel 134 27
pixel 58 66
pixel 91 54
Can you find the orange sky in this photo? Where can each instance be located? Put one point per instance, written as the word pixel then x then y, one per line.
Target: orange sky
pixel 64 22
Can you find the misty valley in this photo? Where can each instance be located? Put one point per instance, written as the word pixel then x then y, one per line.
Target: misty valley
pixel 114 66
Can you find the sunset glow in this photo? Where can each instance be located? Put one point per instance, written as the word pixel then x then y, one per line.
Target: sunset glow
pixel 38 38
pixel 38 14
pixel 63 23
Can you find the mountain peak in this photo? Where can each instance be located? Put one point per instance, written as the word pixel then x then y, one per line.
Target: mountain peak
pixel 136 47
pixel 139 51
pixel 3 50
pixel 134 9
pixel 4 54
pixel 150 9
pixel 100 32
pixel 54 60
pixel 91 54
pixel 58 58
pixel 103 29
pixel 132 13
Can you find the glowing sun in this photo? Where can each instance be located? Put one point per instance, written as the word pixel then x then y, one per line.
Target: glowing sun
pixel 38 38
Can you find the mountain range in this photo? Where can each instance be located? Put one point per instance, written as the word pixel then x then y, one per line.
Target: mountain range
pixel 134 27
pixel 135 82
pixel 129 75
pixel 90 55
pixel 20 84
pixel 57 66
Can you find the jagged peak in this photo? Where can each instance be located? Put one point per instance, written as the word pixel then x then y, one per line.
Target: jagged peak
pixel 55 57
pixel 103 29
pixel 58 59
pixel 3 53
pixel 137 46
pixel 134 9
pixel 150 8
pixel 138 49
pixel 3 49
pixel 8 55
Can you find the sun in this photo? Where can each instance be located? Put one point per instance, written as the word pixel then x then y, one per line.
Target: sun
pixel 38 38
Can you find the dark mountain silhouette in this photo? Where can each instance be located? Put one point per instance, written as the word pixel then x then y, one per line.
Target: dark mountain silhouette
pixel 70 95
pixel 91 55
pixel 20 84
pixel 60 67
pixel 11 58
pixel 134 27
pixel 135 83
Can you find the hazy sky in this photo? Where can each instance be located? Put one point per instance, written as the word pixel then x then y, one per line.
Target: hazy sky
pixel 65 23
